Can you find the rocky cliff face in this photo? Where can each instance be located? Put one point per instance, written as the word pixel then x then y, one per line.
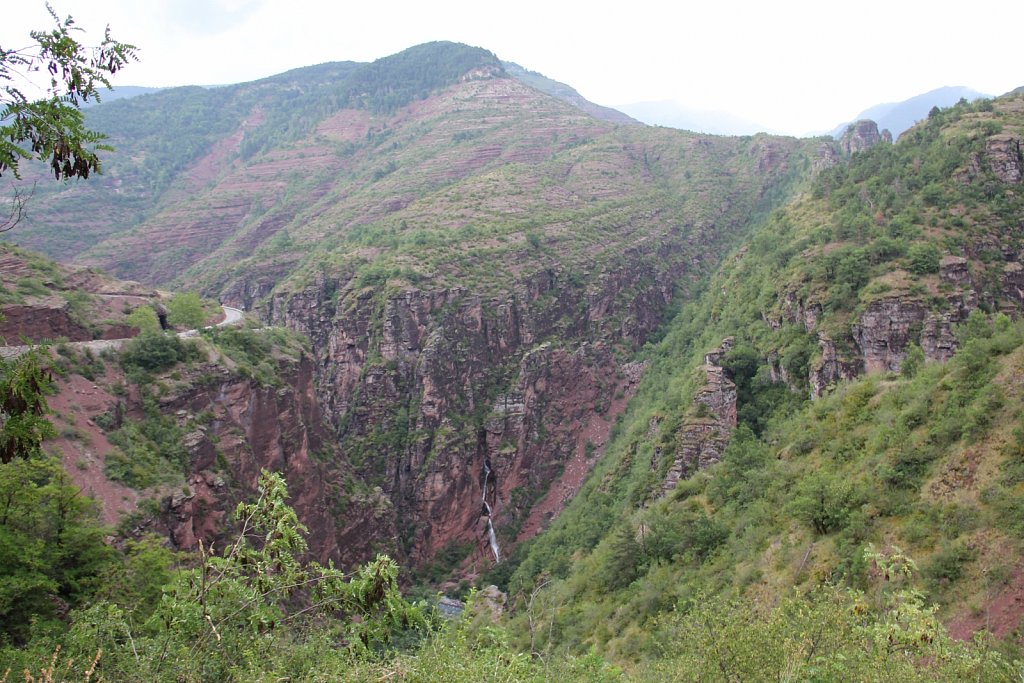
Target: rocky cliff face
pixel 1005 157
pixel 883 331
pixel 862 135
pixel 705 434
pixel 470 268
pixel 246 427
pixel 44 301
pixel 429 387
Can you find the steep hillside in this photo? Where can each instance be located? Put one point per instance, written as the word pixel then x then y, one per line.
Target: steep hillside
pixel 43 301
pixel 724 476
pixel 696 403
pixel 170 435
pixel 167 432
pixel 471 258
pixel 175 142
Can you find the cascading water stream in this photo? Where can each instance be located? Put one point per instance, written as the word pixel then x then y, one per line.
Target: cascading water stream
pixel 491 537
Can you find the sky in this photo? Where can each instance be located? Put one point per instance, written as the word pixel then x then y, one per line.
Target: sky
pixel 793 66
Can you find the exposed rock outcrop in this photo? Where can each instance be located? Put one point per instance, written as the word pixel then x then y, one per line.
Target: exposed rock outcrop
pixel 251 427
pixel 1013 282
pixel 884 331
pixel 831 367
pixel 426 386
pixel 1005 158
pixel 862 135
pixel 704 435
pixel 827 157
pixel 49 318
pixel 955 270
pixel 404 375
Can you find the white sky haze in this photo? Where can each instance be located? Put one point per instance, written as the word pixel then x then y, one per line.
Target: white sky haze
pixel 791 65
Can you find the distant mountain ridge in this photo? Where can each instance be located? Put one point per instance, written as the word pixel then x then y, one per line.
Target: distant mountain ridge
pixel 897 117
pixel 122 92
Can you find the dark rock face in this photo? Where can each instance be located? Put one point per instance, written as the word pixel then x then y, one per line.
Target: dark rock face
pixel 889 326
pixel 862 135
pixel 1013 283
pixel 49 318
pixel 426 387
pixel 703 437
pixel 955 270
pixel 827 157
pixel 832 367
pixel 885 330
pixel 256 427
pixel 1005 157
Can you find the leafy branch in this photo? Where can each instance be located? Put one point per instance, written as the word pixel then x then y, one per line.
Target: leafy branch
pixel 52 127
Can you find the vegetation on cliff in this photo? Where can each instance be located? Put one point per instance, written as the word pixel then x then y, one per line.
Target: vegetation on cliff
pixel 839 395
pixel 917 454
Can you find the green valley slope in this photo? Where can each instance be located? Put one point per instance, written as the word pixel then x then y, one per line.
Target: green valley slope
pixel 472 259
pixel 725 478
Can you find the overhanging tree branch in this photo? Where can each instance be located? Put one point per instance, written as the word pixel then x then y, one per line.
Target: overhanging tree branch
pixel 52 127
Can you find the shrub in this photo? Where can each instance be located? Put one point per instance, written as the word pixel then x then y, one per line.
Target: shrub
pixel 824 501
pixel 155 351
pixel 144 318
pixel 923 258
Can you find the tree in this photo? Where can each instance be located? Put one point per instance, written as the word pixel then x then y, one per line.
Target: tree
pixel 23 425
pixel 52 127
pixel 186 310
pixel 144 318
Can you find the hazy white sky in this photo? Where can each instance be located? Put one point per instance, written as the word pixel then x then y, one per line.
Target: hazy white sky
pixel 792 65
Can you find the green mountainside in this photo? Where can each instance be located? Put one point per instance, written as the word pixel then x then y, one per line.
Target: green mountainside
pixel 473 261
pixel 918 454
pixel 160 136
pixel 700 408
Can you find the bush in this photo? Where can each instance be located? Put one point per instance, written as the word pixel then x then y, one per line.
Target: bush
pixel 144 318
pixel 154 351
pixel 151 452
pixel 923 258
pixel 913 361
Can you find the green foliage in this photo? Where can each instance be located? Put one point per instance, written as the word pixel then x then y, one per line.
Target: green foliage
pixel 394 81
pixel 913 361
pixel 185 310
pixel 256 352
pixel 23 385
pixel 51 550
pixel 144 318
pixel 256 610
pixel 151 451
pixel 824 501
pixel 155 351
pixel 744 472
pixel 829 634
pixel 52 128
pixel 467 652
pixel 788 506
pixel 923 258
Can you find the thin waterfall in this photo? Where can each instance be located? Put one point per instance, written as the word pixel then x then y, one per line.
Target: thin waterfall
pixel 491 537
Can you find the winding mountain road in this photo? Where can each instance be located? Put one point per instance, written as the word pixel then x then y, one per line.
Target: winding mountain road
pixel 232 316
